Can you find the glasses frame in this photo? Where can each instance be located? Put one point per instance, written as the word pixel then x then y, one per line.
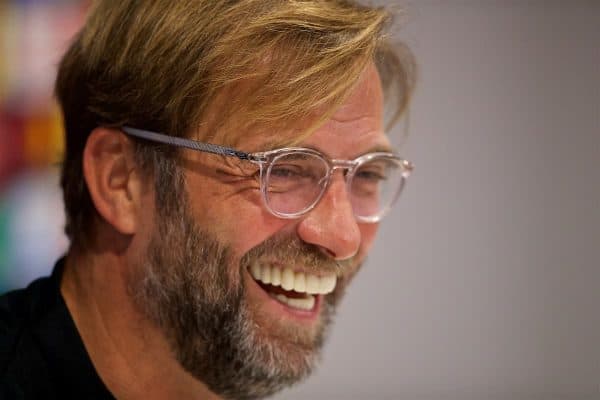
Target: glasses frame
pixel 265 160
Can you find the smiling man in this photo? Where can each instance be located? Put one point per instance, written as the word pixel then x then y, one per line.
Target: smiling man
pixel 225 171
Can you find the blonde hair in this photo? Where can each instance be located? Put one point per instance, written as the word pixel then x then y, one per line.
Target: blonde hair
pixel 160 65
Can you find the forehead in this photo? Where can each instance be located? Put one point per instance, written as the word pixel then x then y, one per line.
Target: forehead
pixel 357 125
pixel 354 128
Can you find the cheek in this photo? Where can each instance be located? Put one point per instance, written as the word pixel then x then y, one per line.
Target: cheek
pixel 234 215
pixel 242 225
pixel 368 233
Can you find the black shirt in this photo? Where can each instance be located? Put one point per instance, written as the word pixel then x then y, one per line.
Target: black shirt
pixel 41 353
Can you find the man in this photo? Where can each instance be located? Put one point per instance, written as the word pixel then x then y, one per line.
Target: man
pixel 225 171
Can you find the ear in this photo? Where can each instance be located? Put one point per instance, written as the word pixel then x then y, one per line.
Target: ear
pixel 112 178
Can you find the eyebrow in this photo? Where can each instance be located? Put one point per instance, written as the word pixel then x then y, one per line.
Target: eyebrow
pixel 274 145
pixel 379 148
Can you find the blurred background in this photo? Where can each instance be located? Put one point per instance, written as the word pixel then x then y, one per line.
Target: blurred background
pixel 33 35
pixel 485 281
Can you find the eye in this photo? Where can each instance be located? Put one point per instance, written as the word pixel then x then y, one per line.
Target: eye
pixel 287 171
pixel 371 175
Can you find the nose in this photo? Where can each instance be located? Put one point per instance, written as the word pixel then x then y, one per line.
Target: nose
pixel 331 225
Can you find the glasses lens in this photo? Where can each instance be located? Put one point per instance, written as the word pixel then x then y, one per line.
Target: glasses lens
pixel 375 187
pixel 295 181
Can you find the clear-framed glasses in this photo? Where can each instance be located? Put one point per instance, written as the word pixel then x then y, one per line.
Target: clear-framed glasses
pixel 294 179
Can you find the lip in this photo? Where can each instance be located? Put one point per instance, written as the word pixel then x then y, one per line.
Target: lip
pixel 277 309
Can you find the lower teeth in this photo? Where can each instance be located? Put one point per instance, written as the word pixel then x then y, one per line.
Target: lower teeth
pixel 306 303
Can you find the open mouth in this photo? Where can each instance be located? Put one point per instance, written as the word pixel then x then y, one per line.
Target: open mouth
pixel 297 290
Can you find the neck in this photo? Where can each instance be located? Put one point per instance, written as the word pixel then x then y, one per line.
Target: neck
pixel 131 355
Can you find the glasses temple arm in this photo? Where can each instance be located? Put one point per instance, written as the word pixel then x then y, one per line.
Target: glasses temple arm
pixel 187 143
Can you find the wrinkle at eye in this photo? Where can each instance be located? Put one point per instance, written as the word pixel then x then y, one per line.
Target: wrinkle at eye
pixel 340 120
pixel 239 170
pixel 233 166
pixel 237 176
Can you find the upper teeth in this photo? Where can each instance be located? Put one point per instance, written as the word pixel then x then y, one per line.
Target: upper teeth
pixel 300 282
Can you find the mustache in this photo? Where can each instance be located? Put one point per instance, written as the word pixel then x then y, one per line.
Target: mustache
pixel 290 249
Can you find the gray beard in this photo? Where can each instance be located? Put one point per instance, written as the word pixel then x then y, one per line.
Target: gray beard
pixel 188 286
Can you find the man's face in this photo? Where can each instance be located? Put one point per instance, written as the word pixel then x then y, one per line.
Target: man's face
pixel 203 279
